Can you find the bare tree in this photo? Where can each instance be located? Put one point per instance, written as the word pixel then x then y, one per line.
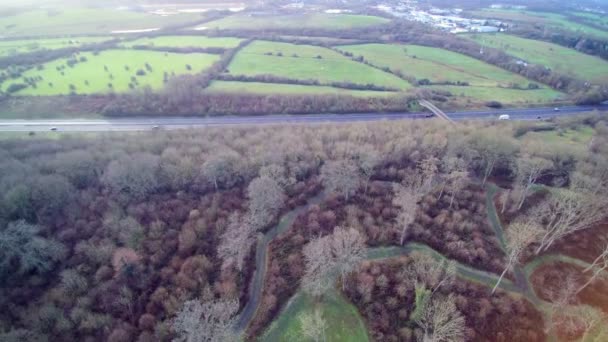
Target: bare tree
pixel 342 177
pixel 518 237
pixel 597 269
pixel 313 325
pixel 441 321
pixel 348 249
pixel 279 173
pixel 561 297
pixel 368 159
pixel 406 198
pixel 428 273
pixel 266 198
pixel 529 169
pixel 209 321
pixel 236 241
pixel 319 265
pixel 568 211
pixel 585 318
pixel 429 168
pixel 489 148
pixel 221 167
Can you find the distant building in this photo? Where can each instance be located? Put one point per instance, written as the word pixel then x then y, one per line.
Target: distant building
pixel 484 29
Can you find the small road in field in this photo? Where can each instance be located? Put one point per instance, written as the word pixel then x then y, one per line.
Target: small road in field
pixel 168 122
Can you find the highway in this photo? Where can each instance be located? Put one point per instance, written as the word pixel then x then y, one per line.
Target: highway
pixel 168 122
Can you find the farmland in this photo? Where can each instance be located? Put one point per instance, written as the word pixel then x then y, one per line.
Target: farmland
pixel 86 21
pixel 308 62
pixel 293 89
pixel 564 60
pixel 15 47
pixel 504 95
pixel 118 68
pixel 185 42
pixel 318 20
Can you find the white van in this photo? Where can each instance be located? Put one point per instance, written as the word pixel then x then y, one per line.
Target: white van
pixel 504 117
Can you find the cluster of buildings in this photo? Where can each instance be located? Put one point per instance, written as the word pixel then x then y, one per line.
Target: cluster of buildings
pixel 444 19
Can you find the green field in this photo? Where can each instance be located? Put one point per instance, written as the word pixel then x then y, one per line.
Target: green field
pixel 317 20
pixel 15 47
pixel 561 59
pixel 435 64
pixel 291 89
pixel 597 19
pixel 301 62
pixel 344 324
pixel 186 41
pixel 546 18
pixel 93 71
pixel 504 95
pixel 85 21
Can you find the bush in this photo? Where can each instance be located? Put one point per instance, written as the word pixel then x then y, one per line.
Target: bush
pixel 15 87
pixel 140 72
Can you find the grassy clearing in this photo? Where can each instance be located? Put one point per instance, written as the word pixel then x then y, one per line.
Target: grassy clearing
pixel 290 89
pixel 435 64
pixel 85 21
pixel 545 18
pixel 504 95
pixel 561 59
pixel 343 320
pixel 15 47
pixel 301 62
pixel 93 72
pixel 575 138
pixel 186 42
pixel 317 20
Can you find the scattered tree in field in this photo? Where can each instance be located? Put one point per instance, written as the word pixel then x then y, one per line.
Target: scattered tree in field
pixel 236 241
pixel 319 265
pixel 313 325
pixel 23 250
pixel 518 237
pixel 342 177
pixel 266 198
pixel 221 167
pixel 441 321
pixel 568 211
pixel 348 248
pixel 406 198
pixel 209 321
pixel 597 269
pixel 529 169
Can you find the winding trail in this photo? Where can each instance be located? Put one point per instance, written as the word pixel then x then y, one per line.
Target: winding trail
pixel 521 287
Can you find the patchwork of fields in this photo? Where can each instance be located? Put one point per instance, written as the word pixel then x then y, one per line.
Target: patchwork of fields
pixel 113 71
pixel 564 60
pixel 305 62
pixel 289 89
pixel 185 42
pixel 308 21
pixel 15 47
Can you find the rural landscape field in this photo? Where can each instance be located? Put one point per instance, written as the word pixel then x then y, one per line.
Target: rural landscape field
pixel 390 171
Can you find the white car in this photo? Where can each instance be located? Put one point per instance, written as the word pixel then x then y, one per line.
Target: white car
pixel 556 109
pixel 504 117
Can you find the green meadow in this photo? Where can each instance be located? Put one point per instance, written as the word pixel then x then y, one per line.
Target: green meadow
pixel 504 95
pixel 435 64
pixel 308 62
pixel 290 89
pixel 117 68
pixel 15 47
pixel 316 20
pixel 85 21
pixel 561 59
pixel 185 42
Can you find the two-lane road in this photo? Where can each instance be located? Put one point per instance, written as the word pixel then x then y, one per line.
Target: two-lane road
pixel 168 122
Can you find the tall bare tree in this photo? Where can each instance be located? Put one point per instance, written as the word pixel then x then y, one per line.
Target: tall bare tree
pixel 487 149
pixel 319 266
pixel 406 198
pixel 529 169
pixel 429 169
pixel 518 237
pixel 368 159
pixel 313 325
pixel 428 273
pixel 348 249
pixel 236 241
pixel 209 321
pixel 342 177
pixel 597 269
pixel 266 198
pixel 221 167
pixel 441 321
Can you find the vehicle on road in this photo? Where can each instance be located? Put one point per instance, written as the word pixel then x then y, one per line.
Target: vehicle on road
pixel 556 109
pixel 504 117
pixel 53 129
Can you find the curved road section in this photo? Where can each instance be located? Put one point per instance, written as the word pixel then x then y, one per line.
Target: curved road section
pixel 168 122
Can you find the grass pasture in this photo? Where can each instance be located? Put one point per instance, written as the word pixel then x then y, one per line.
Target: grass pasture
pixel 79 21
pixel 435 64
pixel 304 21
pixel 504 95
pixel 91 77
pixel 545 18
pixel 303 62
pixel 185 42
pixel 289 89
pixel 561 59
pixel 15 47
pixel 344 324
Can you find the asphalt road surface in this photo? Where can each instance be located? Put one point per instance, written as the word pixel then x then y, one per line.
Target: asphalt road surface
pixel 152 123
